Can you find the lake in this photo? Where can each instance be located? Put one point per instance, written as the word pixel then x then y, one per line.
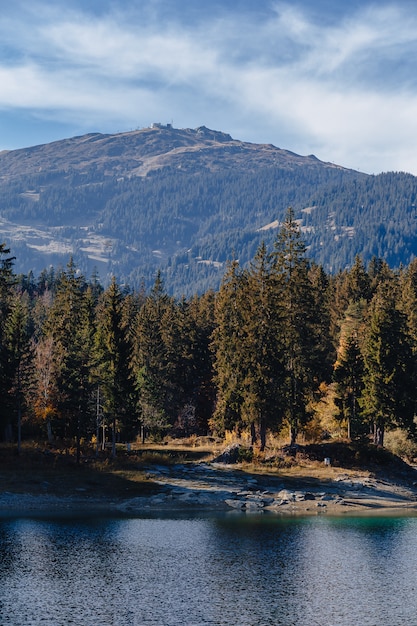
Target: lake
pixel 191 570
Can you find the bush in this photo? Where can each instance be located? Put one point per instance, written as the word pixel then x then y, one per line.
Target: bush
pixel 398 442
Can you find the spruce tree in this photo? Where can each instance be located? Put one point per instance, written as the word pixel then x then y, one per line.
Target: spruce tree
pixel 349 368
pixel 298 330
pixel 68 324
pixel 389 394
pixel 19 358
pixel 261 352
pixel 201 312
pixel 348 376
pixel 407 300
pixel 113 358
pixel 228 349
pixel 153 368
pixel 7 280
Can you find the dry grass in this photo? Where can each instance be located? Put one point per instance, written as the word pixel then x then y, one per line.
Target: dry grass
pixel 40 470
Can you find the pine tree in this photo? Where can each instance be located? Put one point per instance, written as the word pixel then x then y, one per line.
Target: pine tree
pixel 113 356
pixel 163 360
pixel 68 324
pixel 228 350
pixel 407 300
pixel 201 312
pixel 261 353
pixel 358 282
pixel 7 280
pixel 389 395
pixel 298 332
pixel 348 376
pixel 325 352
pixel 349 368
pixel 19 357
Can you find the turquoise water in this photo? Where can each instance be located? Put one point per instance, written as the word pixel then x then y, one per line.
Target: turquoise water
pixel 220 570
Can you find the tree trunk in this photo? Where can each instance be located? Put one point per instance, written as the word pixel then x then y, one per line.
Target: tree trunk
pixel 78 440
pixel 293 434
pixel 19 411
pixel 253 436
pixel 113 439
pixel 262 434
pixel 19 426
pixel 49 431
pixel 379 435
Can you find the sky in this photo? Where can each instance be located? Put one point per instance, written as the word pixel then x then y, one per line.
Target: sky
pixel 324 77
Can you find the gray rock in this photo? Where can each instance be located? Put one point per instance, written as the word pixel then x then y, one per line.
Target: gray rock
pixel 160 499
pixel 235 504
pixel 231 455
pixel 284 494
pixel 299 496
pixel 253 505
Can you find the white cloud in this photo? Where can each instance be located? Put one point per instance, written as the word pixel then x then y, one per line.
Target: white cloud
pixel 326 86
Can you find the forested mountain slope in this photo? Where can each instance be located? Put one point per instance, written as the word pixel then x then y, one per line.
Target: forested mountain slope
pixel 185 201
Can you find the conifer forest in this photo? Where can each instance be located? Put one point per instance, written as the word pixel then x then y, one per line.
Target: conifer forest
pixel 81 363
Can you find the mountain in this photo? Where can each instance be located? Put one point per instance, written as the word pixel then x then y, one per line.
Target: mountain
pixel 187 200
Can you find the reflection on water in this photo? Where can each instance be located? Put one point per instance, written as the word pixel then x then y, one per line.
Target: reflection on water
pixel 253 570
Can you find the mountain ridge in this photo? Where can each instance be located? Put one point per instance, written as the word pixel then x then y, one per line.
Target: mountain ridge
pixel 138 144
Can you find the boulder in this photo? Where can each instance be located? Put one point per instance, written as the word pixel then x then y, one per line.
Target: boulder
pixel 284 494
pixel 235 504
pixel 254 505
pixel 234 453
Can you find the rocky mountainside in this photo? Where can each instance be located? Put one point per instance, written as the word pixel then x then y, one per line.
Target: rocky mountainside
pixel 186 200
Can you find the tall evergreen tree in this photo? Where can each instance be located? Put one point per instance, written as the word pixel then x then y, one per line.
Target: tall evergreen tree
pixel 20 357
pixel 349 368
pixel 68 324
pixel 113 354
pixel 228 350
pixel 298 332
pixel 167 359
pixel 201 312
pixel 348 376
pixel 261 352
pixel 325 352
pixel 407 300
pixel 389 395
pixel 358 282
pixel 7 280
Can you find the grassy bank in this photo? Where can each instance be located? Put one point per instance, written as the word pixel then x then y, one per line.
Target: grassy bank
pixel 39 469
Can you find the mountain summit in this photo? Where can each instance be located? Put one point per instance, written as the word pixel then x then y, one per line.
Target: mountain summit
pixel 139 152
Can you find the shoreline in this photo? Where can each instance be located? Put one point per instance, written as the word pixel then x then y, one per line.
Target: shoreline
pixel 224 488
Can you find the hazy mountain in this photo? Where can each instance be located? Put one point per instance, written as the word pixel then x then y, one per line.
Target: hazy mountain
pixel 185 201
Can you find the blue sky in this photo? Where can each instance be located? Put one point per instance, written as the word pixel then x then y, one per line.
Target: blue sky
pixel 334 79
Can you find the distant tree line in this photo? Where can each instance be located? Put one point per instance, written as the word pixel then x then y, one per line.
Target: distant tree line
pixel 82 363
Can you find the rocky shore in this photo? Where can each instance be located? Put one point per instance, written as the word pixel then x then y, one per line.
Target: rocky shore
pixel 217 486
pixel 221 487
